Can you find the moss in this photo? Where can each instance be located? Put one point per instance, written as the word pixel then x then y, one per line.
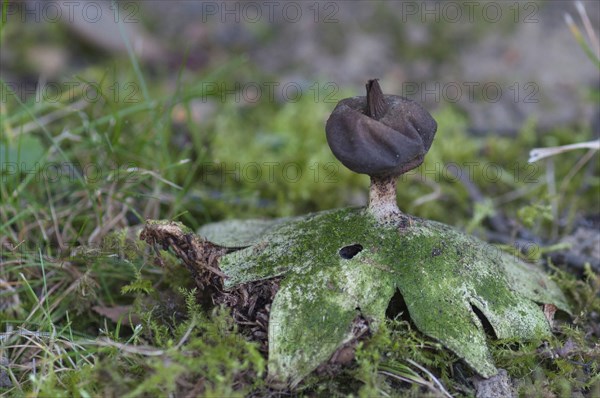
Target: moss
pixel 120 242
pixel 203 352
pixel 442 274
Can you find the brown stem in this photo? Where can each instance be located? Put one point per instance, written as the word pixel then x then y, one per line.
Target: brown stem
pixel 382 198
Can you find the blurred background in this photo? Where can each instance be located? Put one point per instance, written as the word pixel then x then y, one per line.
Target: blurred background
pixel 216 109
pixel 430 50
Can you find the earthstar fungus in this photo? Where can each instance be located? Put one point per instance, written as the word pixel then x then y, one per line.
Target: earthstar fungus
pixel 383 136
pixel 308 287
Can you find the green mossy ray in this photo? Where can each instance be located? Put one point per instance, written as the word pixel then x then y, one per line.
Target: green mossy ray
pixel 440 272
pixel 239 233
pixel 292 246
pixel 309 321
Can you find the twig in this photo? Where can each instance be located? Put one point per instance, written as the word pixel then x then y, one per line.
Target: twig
pixel 52 116
pixel 436 194
pixel 128 348
pixel 580 163
pixel 572 260
pixel 588 27
pixel 541 153
pixel 431 376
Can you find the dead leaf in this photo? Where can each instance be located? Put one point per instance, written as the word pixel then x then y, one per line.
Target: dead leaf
pixel 118 313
